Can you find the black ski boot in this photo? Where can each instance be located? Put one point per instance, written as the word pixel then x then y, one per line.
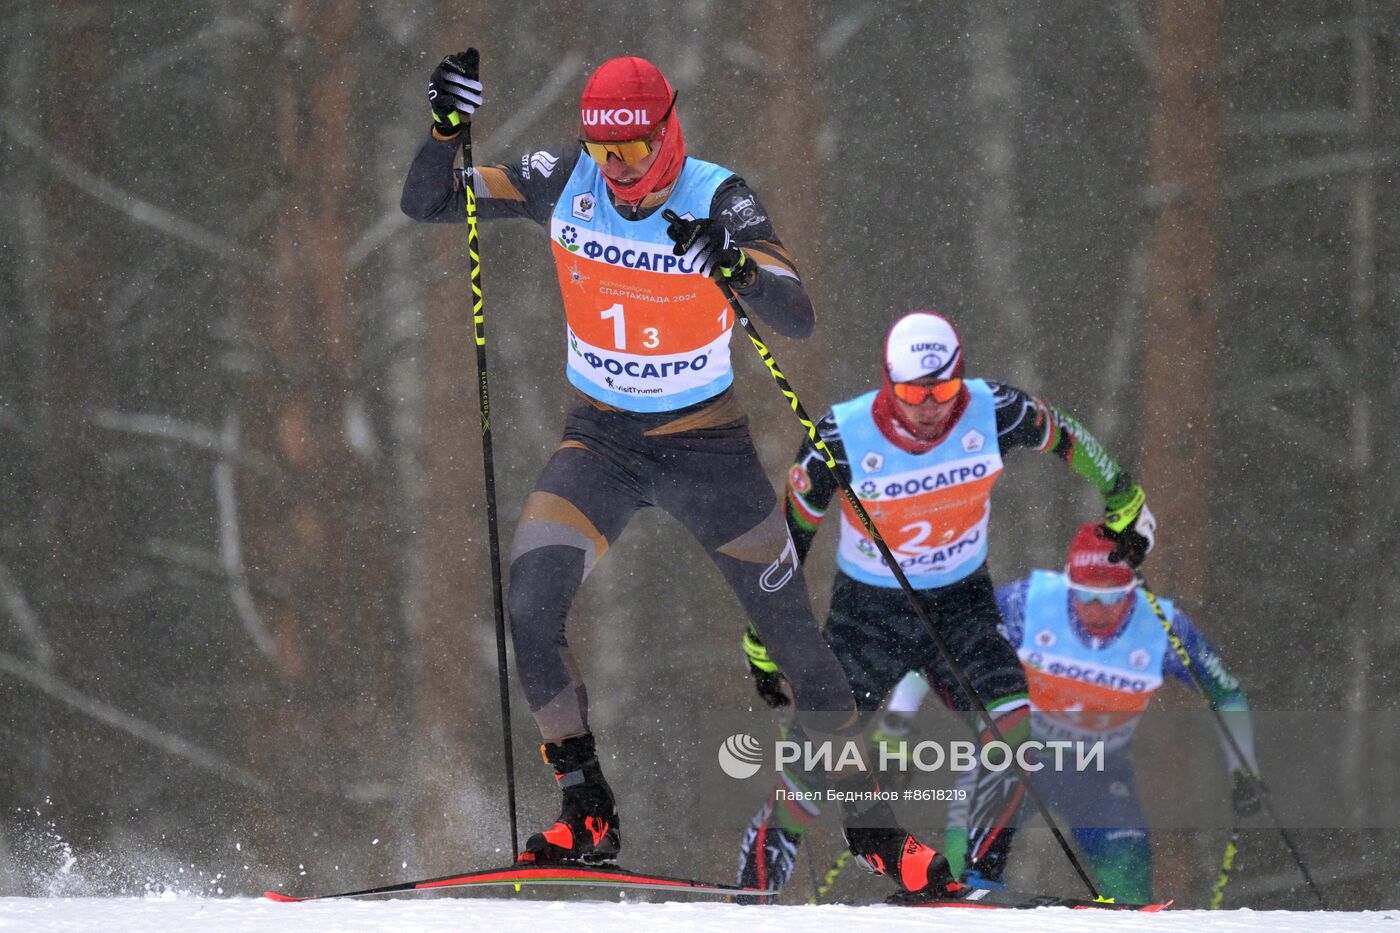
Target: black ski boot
pixel 587 828
pixel 882 847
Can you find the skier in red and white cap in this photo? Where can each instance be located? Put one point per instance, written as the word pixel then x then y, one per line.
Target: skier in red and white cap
pixel 642 233
pixel 1095 653
pixel 922 453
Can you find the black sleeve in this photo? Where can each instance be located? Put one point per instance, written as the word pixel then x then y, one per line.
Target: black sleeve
pixel 1022 419
pixel 776 296
pixel 810 485
pixel 529 187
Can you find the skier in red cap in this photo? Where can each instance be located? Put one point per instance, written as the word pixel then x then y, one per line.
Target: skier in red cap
pixel 922 454
pixel 1094 654
pixel 655 421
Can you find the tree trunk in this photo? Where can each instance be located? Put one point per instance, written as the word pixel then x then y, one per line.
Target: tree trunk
pixel 72 379
pixel 1180 319
pixel 996 108
pixel 319 524
pixel 1370 527
pixel 1179 323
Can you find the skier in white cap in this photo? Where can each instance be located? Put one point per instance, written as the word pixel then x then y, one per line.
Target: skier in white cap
pixel 922 453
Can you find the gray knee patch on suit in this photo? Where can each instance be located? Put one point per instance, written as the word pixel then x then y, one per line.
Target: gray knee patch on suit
pixel 549 520
pixel 769 542
pixel 562 716
pixel 763 543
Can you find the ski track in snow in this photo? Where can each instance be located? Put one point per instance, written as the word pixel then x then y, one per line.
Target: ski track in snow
pixel 178 914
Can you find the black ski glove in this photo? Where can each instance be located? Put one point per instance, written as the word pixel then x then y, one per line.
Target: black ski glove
pixel 767 679
pixel 709 249
pixel 1247 796
pixel 1129 524
pixel 454 91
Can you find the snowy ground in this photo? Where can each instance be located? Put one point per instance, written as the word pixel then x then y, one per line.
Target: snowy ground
pixel 180 914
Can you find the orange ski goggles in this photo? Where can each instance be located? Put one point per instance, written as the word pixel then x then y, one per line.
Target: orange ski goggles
pixel 912 393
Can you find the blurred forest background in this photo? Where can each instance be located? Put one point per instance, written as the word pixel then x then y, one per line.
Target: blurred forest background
pixel 245 621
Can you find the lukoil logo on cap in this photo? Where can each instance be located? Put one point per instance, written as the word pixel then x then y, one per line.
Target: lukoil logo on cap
pixel 616 116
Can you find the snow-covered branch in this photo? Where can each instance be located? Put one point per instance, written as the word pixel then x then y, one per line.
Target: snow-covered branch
pixel 19 609
pixel 842 31
pixel 151 734
pixel 216 35
pixel 1139 37
pixel 230 548
pixel 168 428
pixel 1249 183
pixel 138 210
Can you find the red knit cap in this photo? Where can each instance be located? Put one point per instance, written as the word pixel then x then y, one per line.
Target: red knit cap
pixel 629 98
pixel 624 99
pixel 1089 565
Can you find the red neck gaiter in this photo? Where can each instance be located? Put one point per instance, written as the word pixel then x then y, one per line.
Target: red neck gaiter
pixel 897 429
pixel 670 158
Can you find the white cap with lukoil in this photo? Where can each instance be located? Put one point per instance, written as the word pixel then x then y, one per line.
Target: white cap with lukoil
pixel 923 344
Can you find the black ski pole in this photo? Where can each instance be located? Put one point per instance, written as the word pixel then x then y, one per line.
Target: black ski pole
pixel 742 317
pixel 812 871
pixel 488 467
pixel 1185 658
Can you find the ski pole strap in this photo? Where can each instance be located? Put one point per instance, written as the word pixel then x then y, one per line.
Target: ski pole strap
pixel 758 652
pixel 1123 507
